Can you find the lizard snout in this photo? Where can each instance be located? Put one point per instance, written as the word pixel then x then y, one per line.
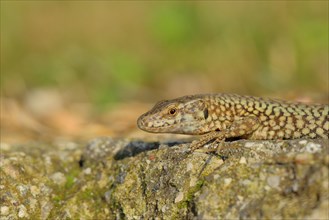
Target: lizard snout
pixel 141 122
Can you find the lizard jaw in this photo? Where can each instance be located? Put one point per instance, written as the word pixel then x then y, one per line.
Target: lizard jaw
pixel 172 126
pixel 154 126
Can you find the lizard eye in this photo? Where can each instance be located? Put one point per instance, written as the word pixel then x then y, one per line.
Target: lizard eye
pixel 172 111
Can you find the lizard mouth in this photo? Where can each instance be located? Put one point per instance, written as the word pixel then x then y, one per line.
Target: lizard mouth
pixel 155 126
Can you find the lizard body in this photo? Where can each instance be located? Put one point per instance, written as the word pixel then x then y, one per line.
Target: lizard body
pixel 222 116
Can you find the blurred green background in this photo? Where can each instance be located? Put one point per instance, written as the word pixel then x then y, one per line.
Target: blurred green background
pixel 107 52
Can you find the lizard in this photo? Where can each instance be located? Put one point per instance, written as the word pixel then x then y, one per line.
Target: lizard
pixel 227 116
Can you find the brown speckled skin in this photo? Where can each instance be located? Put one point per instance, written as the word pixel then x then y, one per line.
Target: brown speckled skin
pixel 221 116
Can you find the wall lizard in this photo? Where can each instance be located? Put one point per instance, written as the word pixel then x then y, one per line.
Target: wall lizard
pixel 223 116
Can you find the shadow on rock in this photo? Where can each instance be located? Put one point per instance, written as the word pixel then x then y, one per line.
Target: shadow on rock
pixel 135 147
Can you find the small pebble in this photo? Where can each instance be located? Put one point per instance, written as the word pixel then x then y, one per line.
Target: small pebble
pixel 189 166
pixel 240 198
pixel 46 207
pixel 267 188
pixel 58 178
pixel 33 204
pixel 246 182
pixel 243 160
pixel 47 160
pixel 179 197
pixel 273 181
pixel 107 196
pixel 87 171
pixel 295 187
pixel 227 181
pixel 193 181
pixel 4 210
pixel 164 208
pixel 22 189
pixel 22 212
pixel 34 191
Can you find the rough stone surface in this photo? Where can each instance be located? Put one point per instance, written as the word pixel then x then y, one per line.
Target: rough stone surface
pixel 124 179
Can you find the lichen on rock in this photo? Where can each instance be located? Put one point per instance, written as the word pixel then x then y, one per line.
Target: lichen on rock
pixel 125 179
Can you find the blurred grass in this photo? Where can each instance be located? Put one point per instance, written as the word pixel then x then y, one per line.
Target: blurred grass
pixel 109 52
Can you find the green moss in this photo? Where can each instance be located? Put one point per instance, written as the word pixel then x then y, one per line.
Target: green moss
pixel 193 190
pixel 189 197
pixel 57 200
pixel 69 181
pixel 87 194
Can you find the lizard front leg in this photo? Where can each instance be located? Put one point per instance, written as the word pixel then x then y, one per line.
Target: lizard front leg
pixel 218 135
pixel 238 128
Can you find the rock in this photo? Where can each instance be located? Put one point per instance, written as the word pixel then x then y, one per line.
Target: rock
pixel 179 197
pixel 273 181
pixel 124 179
pixel 58 178
pixel 4 210
pixel 22 212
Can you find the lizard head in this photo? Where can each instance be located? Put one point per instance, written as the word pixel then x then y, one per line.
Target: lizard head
pixel 185 115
